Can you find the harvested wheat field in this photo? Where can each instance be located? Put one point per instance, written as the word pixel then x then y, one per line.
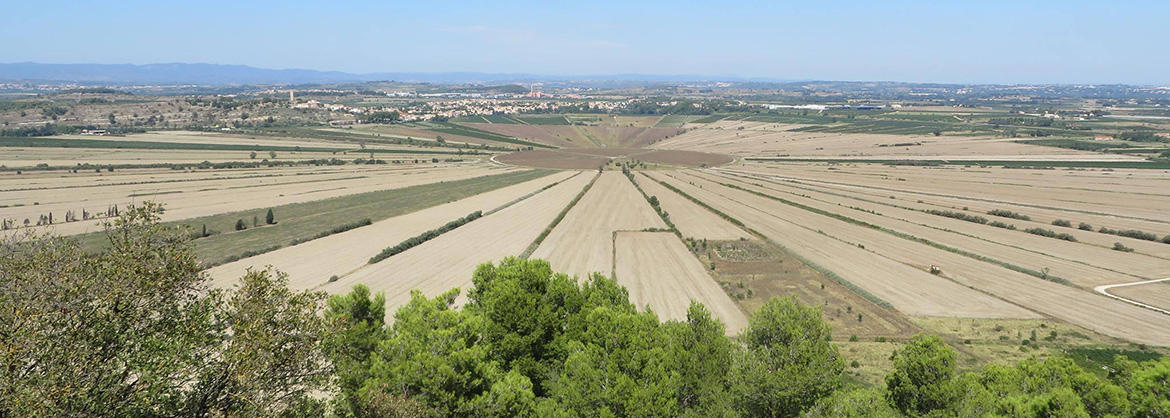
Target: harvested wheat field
pixel 583 242
pixel 1073 198
pixel 1082 264
pixel 910 290
pixel 1045 196
pixel 209 196
pixel 350 250
pixel 1077 306
pixel 691 220
pixel 663 275
pixel 448 261
pixel 758 139
pixel 1153 294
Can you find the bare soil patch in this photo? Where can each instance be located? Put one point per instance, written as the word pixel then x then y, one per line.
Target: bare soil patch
pixel 553 159
pixel 579 159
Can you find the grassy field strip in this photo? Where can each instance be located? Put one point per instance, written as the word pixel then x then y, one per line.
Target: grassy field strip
pixel 842 196
pixel 907 289
pixel 1065 263
pixel 448 261
pixel 583 242
pixel 351 250
pixel 270 193
pixel 690 219
pixel 1077 306
pixel 1041 217
pixel 560 216
pixel 660 272
pixel 585 132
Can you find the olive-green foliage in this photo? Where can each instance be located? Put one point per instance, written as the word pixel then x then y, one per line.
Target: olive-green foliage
pixel 357 320
pixel 134 331
pixel 788 363
pixel 424 237
pixel 924 383
pixel 531 342
pixel 1146 384
pixel 923 371
pixel 856 403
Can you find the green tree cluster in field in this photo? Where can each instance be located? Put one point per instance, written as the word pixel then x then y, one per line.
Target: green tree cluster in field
pixel 136 331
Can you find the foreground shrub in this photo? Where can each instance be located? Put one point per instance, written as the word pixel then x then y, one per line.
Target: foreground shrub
pixel 135 330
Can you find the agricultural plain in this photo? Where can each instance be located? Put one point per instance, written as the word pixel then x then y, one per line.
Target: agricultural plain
pixel 892 223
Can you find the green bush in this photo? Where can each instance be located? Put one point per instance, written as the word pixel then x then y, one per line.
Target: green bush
pixel 1062 222
pixel 999 224
pixel 424 237
pixel 958 215
pixel 1008 214
pixel 1050 234
pixel 1129 233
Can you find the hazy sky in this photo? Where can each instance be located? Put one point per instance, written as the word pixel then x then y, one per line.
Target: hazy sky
pixel 920 41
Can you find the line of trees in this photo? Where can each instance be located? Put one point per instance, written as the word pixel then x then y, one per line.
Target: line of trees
pixel 424 237
pixel 958 215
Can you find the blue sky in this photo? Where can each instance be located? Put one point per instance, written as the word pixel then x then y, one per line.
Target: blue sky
pixel 920 41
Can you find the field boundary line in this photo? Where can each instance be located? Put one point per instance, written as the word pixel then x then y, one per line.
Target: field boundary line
pixel 948 196
pixel 561 216
pixel 759 235
pixel 1104 290
pixel 988 259
pixel 522 198
pixel 834 192
pixel 451 226
pixel 979 257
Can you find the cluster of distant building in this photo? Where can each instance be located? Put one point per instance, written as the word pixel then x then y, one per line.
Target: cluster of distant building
pixel 820 107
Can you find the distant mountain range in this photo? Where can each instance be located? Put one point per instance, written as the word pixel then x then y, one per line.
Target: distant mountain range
pixel 218 74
